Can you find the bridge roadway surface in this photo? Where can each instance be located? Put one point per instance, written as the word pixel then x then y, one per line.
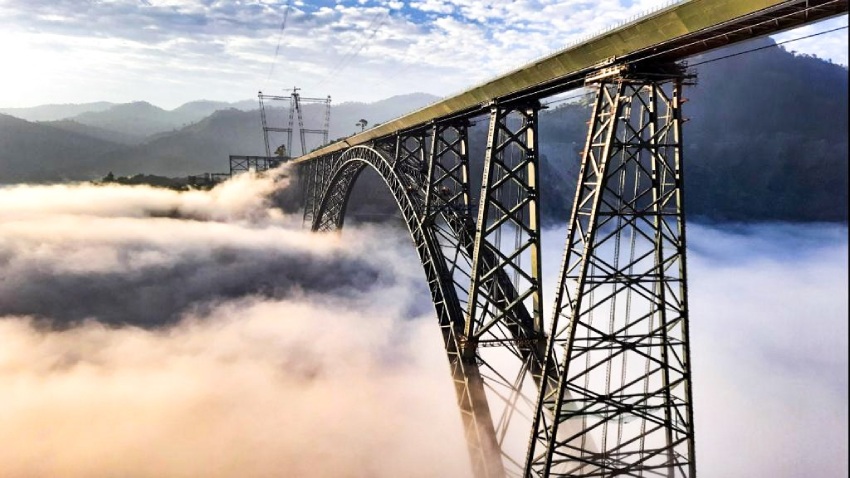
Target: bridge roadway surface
pixel 672 33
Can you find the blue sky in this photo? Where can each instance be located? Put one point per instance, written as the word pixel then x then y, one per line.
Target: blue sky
pixel 169 52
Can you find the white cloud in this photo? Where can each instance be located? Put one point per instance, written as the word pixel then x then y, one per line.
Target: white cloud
pixel 172 51
pixel 769 328
pixel 251 389
pixel 434 6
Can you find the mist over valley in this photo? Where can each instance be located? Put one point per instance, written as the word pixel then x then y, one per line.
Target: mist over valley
pixel 155 329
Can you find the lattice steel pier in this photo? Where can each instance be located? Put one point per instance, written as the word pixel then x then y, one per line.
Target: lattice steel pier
pixel 620 328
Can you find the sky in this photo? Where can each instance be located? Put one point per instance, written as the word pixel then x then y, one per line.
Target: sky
pixel 149 333
pixel 169 52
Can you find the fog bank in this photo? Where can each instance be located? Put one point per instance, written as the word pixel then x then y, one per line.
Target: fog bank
pixel 152 333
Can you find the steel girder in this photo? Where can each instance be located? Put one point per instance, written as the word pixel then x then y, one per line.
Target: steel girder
pixel 244 164
pixel 499 334
pixel 469 386
pixel 622 405
pixel 612 398
pixel 433 177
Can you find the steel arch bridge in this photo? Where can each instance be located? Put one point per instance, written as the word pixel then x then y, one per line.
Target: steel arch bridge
pixel 602 388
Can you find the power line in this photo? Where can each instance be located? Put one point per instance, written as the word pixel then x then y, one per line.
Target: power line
pixel 348 52
pixel 364 43
pixel 568 98
pixel 768 46
pixel 356 49
pixel 279 38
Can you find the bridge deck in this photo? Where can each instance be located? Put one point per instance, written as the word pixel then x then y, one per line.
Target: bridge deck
pixel 678 31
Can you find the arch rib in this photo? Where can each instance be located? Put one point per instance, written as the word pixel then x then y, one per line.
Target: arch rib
pixel 469 384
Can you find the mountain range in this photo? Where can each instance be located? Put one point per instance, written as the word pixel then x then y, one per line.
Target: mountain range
pixel 767 139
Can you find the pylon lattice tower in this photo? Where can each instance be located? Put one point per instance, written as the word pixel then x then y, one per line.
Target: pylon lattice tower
pixel 295 110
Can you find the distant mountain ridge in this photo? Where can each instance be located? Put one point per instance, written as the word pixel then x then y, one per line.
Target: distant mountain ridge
pixel 768 141
pixel 138 122
pixel 205 146
pixel 133 122
pixel 144 119
pixel 36 152
pixel 137 118
pixel 32 151
pixel 96 132
pixel 200 147
pixel 56 112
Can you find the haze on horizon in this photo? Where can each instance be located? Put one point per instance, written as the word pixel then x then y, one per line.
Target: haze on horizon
pixel 170 52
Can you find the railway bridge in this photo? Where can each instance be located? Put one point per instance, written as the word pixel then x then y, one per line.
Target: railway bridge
pixel 602 387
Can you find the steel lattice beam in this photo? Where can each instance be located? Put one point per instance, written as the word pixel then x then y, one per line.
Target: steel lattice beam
pixel 469 386
pixel 610 389
pixel 508 205
pixel 244 164
pixel 609 392
pixel 623 403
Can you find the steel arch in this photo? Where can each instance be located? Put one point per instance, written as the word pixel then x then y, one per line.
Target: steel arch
pixel 638 258
pixel 469 385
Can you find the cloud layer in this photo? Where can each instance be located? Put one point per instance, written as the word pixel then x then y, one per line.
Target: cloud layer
pixel 143 255
pixel 153 333
pixel 251 389
pixel 361 50
pixel 247 346
pixel 769 326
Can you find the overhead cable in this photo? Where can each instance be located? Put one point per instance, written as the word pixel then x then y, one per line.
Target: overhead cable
pixel 357 48
pixel 279 38
pixel 768 46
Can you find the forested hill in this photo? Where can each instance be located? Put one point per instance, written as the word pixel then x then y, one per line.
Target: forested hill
pixel 766 140
pixel 36 152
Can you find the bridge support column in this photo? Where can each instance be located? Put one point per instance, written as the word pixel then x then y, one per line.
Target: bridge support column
pixel 623 403
pixel 445 214
pixel 448 171
pixel 411 151
pixel 446 208
pixel 503 324
pixel 508 206
pixel 308 176
pixel 318 174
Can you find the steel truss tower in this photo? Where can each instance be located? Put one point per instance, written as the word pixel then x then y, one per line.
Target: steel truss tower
pixel 296 102
pixel 623 403
pixel 603 388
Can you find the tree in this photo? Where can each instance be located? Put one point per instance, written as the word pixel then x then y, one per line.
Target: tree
pixel 280 151
pixel 362 124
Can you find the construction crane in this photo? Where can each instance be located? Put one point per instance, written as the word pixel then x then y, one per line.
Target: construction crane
pixel 295 109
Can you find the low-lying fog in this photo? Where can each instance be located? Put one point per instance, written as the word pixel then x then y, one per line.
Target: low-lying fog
pixel 151 333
